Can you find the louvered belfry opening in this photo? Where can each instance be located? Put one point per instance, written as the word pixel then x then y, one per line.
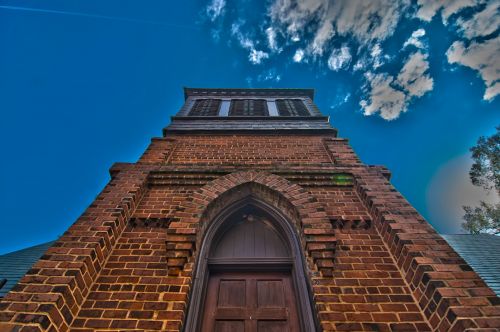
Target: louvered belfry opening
pixel 248 107
pixel 206 107
pixel 291 107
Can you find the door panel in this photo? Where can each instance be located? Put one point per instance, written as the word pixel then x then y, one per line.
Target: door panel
pixel 229 326
pixel 250 302
pixel 270 294
pixel 272 326
pixel 232 293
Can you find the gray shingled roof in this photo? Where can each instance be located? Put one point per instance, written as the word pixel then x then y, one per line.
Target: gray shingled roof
pixel 482 253
pixel 14 265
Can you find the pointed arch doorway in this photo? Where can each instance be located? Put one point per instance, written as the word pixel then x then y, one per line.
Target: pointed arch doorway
pixel 250 274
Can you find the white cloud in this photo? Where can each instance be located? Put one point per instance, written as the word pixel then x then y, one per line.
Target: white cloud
pixel 390 97
pixel 482 23
pixel 482 57
pixel 384 98
pixel 428 8
pixel 340 99
pixel 376 56
pixel 269 75
pixel 271 40
pixel 372 58
pixel 346 98
pixel 299 55
pixel 376 50
pixel 236 31
pixel 314 28
pixel 415 39
pixel 339 58
pixel 413 77
pixel 255 56
pixel 215 9
pixel 366 21
pixel 324 34
pixel 294 15
pixel 360 64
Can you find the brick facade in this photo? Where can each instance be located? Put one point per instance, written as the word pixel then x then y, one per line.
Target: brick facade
pixel 374 264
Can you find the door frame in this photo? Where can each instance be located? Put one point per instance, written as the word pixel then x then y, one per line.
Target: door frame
pixel 295 264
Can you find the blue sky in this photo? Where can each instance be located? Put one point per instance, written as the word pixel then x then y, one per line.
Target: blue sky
pixel 84 84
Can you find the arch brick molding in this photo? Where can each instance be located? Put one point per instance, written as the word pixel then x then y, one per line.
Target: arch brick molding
pixel 297 204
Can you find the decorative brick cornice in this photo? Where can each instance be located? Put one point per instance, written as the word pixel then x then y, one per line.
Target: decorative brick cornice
pixel 201 177
pixel 341 152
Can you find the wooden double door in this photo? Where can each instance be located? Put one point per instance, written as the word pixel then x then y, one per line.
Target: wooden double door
pixel 250 302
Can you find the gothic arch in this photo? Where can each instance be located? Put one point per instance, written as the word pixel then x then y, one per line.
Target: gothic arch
pixel 296 212
pixel 254 190
pixel 295 263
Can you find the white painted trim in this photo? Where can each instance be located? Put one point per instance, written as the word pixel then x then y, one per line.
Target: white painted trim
pixel 224 108
pixel 271 108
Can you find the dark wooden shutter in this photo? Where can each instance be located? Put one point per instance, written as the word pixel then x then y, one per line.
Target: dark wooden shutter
pixel 291 107
pixel 248 107
pixel 205 107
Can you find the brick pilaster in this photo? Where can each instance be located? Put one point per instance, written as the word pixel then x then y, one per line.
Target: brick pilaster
pixel 51 294
pixel 451 295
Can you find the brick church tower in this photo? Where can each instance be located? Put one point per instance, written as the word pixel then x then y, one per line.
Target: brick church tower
pixel 250 214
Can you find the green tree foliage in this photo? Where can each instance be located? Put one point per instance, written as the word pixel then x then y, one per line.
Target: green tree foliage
pixel 485 172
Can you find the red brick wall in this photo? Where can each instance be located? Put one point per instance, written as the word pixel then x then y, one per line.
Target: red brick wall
pixel 366 291
pixel 133 290
pixel 127 263
pixel 243 149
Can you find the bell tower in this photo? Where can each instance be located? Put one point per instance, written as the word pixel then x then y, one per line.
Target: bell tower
pixel 274 111
pixel 250 214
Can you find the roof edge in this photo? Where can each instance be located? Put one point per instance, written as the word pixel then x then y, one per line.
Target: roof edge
pixel 302 92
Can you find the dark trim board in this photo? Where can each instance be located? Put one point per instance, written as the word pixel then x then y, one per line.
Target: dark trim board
pixel 268 118
pixel 249 131
pixel 248 92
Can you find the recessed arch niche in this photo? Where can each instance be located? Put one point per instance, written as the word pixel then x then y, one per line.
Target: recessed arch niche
pixel 250 254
